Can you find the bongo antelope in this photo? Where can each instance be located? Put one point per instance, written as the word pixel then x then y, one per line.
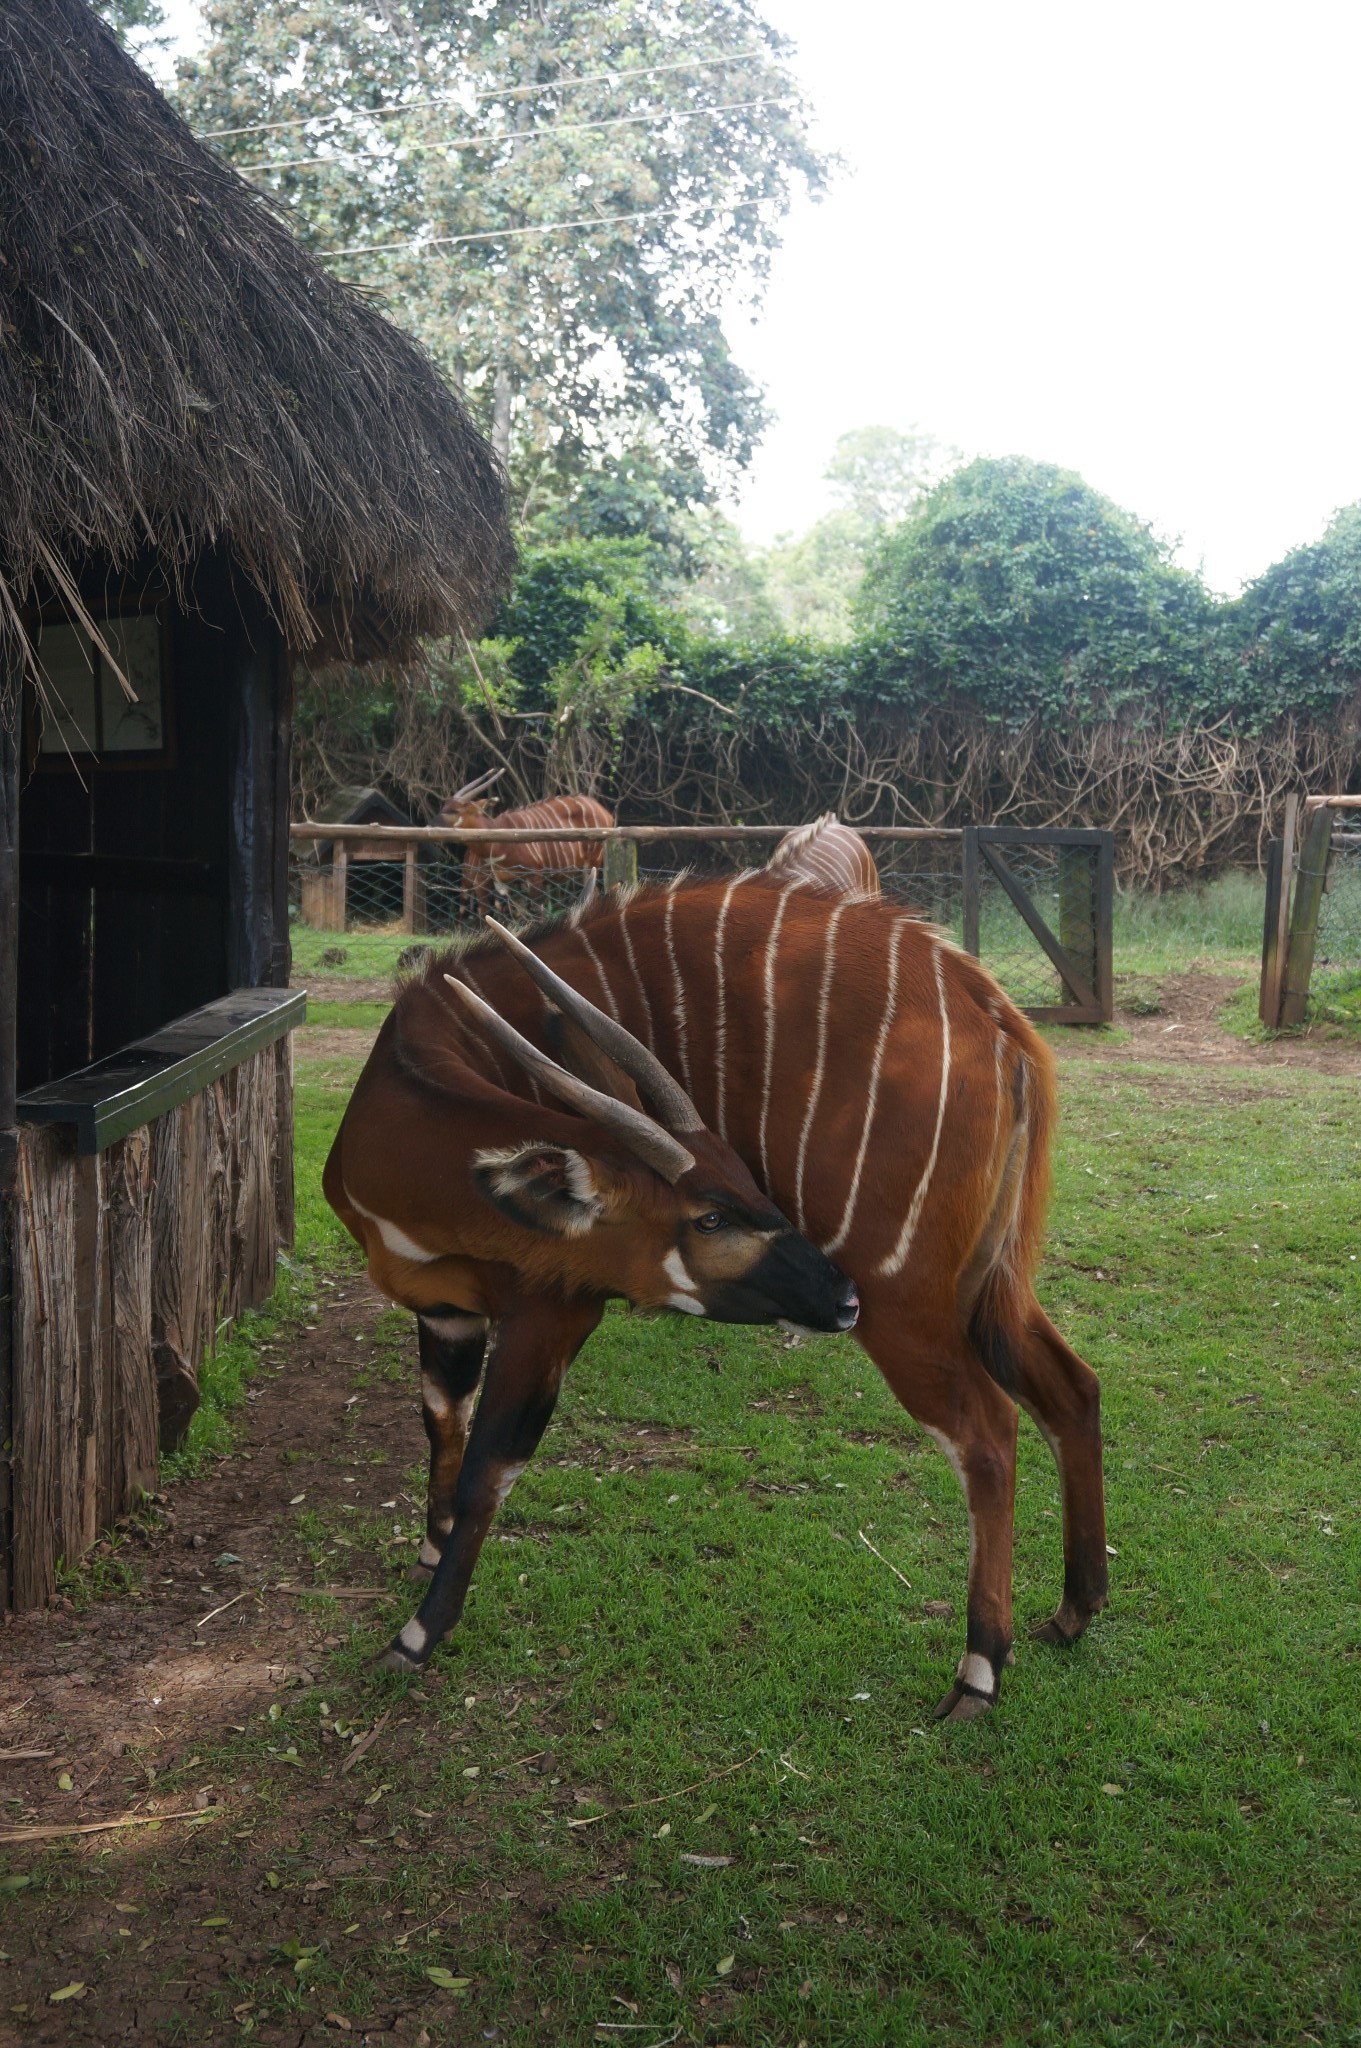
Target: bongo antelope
pixel 828 854
pixel 525 861
pixel 881 1090
pixel 506 1221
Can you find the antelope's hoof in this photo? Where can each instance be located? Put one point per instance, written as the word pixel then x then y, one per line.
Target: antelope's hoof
pixel 395 1658
pixel 962 1705
pixel 419 1574
pixel 1065 1624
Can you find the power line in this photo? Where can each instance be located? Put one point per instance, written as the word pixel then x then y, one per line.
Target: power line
pixel 553 227
pixel 502 92
pixel 533 134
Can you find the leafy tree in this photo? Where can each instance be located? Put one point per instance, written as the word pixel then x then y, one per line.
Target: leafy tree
pixel 881 472
pixel 672 127
pixel 131 19
pixel 1300 625
pixel 1017 586
pixel 813 580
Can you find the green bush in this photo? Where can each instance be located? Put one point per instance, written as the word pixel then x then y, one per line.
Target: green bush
pixel 1020 590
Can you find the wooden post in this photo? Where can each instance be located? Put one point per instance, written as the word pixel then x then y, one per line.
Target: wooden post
pixel 9 1002
pixel 340 886
pixel 258 675
pixel 413 919
pixel 972 883
pixel 621 863
pixel 1276 938
pixel 1269 991
pixel 1313 869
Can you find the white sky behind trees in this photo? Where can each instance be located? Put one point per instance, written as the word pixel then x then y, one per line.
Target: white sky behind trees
pixel 1122 239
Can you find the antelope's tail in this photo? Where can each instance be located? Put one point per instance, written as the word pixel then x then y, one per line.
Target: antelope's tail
pixel 1011 1241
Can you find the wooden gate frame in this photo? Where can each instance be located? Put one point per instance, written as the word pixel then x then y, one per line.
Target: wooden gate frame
pixel 1092 997
pixel 1290 928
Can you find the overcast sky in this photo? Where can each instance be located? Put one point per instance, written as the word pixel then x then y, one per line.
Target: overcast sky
pixel 1121 239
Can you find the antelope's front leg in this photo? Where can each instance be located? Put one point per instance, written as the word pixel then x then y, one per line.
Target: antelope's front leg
pixel 531 1347
pixel 452 1345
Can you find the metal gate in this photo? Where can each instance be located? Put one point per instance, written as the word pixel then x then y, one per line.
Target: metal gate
pixel 1037 905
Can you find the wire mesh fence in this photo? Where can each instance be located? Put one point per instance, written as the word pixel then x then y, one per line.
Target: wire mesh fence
pixel 376 902
pixel 1335 984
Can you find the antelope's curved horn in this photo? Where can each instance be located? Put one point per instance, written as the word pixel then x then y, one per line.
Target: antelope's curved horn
pixel 674 1107
pixel 473 788
pixel 644 1138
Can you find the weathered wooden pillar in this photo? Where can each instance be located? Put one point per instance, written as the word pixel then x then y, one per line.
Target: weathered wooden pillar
pixel 1313 870
pixel 9 1010
pixel 621 863
pixel 259 677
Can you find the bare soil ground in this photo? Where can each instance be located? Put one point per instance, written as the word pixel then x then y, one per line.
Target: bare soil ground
pixel 1185 1028
pixel 118 1699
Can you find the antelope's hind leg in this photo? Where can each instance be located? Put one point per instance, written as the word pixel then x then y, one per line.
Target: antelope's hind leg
pixel 945 1387
pixel 1062 1396
pixel 452 1346
pixel 531 1348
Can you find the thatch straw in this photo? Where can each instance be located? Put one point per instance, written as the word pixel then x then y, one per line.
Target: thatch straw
pixel 178 375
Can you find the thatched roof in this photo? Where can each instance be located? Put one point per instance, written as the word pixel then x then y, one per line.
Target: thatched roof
pixel 177 374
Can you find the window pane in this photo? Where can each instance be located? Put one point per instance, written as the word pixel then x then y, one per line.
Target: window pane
pixel 135 645
pixel 68 712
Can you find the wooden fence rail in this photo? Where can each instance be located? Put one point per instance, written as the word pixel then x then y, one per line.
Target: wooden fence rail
pixel 638 835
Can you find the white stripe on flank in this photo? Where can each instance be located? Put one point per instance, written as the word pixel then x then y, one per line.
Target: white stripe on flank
pixel 829 959
pixel 721 1029
pixel 594 959
pixel 393 1236
pixel 681 1028
pixel 771 944
pixel 638 979
pixel 876 1066
pixel 897 1258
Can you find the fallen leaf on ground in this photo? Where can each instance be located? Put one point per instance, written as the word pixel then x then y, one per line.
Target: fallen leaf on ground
pixel 724 1967
pixel 446 1979
pixel 67 1991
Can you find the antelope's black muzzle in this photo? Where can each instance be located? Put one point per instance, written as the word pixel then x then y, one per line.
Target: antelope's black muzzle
pixel 792 1283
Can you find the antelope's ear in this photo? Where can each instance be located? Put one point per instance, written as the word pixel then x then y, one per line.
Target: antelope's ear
pixel 544 1187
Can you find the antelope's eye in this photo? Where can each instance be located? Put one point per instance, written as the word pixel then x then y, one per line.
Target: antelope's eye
pixel 711 1221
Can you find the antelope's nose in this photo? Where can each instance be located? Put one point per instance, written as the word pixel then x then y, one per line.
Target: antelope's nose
pixel 847 1309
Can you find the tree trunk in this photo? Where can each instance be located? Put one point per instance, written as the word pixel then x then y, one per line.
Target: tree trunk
pixel 500 416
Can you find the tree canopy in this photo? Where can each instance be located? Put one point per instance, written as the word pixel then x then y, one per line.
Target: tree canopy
pixel 1300 623
pixel 1016 585
pixel 560 199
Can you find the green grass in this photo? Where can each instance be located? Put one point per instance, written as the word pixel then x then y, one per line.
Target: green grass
pixel 1217 925
pixel 367 954
pixel 347 1016
pixel 1153 1840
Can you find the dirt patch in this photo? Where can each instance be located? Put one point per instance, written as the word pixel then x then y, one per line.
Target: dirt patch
pixel 123 1696
pixel 347 988
pixel 336 1041
pixel 1186 1031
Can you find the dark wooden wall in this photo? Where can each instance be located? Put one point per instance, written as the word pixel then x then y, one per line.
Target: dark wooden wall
pixel 129 896
pixel 148 891
pixel 9 948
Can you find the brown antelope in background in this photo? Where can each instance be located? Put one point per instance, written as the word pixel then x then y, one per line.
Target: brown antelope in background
pixel 495 1214
pixel 828 854
pixel 526 862
pixel 882 1091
